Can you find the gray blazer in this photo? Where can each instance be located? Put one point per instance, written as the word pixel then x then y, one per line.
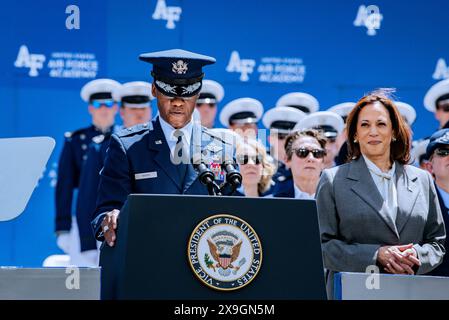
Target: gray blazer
pixel 354 223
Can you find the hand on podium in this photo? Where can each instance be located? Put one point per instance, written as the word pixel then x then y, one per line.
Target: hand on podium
pixel 63 241
pixel 398 259
pixel 109 225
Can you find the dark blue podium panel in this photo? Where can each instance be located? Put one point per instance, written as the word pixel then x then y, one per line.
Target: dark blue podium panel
pixel 150 260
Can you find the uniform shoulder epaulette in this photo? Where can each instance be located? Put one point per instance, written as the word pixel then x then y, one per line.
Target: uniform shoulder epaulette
pixel 214 135
pixel 71 134
pixel 135 129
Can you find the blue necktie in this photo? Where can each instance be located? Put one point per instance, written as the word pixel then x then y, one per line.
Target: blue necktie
pixel 180 156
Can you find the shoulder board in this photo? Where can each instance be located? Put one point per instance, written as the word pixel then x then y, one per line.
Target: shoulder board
pixel 135 129
pixel 214 135
pixel 71 134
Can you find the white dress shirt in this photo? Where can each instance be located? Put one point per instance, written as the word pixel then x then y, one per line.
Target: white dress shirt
pixel 386 184
pixel 170 137
pixel 299 194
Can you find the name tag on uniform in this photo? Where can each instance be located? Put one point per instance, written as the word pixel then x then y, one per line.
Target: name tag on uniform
pixel 146 175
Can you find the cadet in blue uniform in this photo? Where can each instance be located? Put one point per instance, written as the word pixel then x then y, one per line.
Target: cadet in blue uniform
pixel 135 108
pixel 280 121
pixel 97 94
pixel 438 155
pixel 154 157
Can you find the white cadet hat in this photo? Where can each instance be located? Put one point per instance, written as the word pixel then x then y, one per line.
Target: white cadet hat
pixel 241 111
pixel 438 92
pixel 342 109
pixel 99 89
pixel 299 100
pixel 135 94
pixel 212 92
pixel 418 151
pixel 406 111
pixel 331 123
pixel 283 119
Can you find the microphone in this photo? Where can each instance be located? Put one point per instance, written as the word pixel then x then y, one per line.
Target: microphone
pixel 205 175
pixel 233 176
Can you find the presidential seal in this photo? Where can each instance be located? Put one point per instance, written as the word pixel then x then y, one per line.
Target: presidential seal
pixel 224 252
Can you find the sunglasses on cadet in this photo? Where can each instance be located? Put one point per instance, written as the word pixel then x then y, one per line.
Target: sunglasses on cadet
pixel 244 159
pixel 442 152
pixel 303 153
pixel 109 103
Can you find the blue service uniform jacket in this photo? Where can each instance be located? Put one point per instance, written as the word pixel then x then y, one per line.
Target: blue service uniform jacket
pixel 70 166
pixel 87 191
pixel 283 179
pixel 285 190
pixel 443 269
pixel 138 161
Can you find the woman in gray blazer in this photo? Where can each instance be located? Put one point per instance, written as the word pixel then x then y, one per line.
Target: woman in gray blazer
pixel 376 210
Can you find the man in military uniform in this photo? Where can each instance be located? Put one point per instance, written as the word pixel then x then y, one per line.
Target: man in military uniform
pixel 211 94
pixel 437 101
pixel 280 121
pixel 98 94
pixel 438 154
pixel 135 108
pixel 155 157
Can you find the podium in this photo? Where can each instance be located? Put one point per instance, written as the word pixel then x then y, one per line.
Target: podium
pixel 164 249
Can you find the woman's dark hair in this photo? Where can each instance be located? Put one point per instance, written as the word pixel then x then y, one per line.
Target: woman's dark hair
pixel 400 147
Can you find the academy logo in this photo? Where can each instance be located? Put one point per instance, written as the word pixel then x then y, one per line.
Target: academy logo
pixel 32 61
pixel 441 70
pixel 242 66
pixel 169 14
pixel 224 252
pixel 369 17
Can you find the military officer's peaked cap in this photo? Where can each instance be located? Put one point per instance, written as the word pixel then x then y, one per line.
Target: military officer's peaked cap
pixel 177 73
pixel 135 94
pixel 436 140
pixel 437 93
pixel 299 100
pixel 99 89
pixel 342 109
pixel 282 119
pixel 212 92
pixel 406 111
pixel 241 111
pixel 329 122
